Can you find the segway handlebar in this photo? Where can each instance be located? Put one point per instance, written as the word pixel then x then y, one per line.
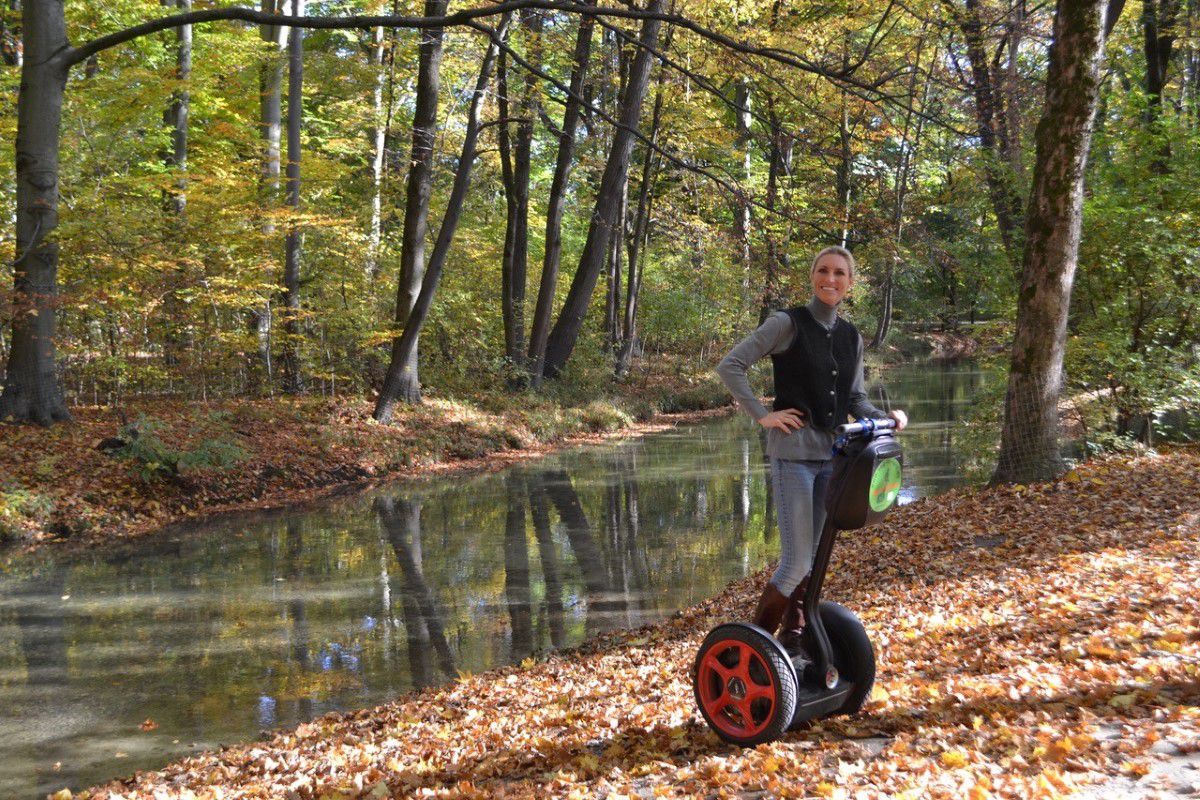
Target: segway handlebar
pixel 864 426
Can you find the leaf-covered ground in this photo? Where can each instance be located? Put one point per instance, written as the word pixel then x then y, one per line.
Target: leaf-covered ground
pixel 59 486
pixel 1031 640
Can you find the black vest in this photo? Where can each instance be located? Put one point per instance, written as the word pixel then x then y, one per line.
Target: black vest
pixel 815 373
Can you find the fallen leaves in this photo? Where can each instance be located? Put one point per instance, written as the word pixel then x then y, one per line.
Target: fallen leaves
pixel 1064 652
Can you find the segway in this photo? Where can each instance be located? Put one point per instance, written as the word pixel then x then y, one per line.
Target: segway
pixel 748 687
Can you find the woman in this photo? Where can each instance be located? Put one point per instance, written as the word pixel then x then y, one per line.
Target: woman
pixel 818 365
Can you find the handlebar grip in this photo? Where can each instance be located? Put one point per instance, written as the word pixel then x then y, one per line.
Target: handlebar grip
pixel 862 426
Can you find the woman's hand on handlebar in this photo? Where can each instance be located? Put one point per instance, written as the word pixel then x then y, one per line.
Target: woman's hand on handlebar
pixel 786 420
pixel 900 417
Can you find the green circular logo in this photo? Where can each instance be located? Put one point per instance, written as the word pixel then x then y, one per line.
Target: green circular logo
pixel 885 484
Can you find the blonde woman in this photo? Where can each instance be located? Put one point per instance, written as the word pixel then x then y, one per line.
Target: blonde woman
pixel 818 367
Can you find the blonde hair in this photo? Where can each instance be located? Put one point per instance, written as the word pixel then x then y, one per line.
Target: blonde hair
pixel 833 250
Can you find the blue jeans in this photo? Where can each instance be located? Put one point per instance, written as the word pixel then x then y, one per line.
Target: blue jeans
pixel 800 508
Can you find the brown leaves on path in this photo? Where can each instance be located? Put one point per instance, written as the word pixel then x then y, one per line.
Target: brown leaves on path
pixel 1031 641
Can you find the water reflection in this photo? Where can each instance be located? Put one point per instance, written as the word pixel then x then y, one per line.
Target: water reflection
pixel 269 620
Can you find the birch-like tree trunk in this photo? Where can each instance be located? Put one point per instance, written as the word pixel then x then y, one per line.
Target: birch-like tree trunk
pixel 293 382
pixel 1029 440
pixel 378 143
pixel 271 128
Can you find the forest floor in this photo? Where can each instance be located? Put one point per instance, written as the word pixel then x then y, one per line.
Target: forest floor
pixel 113 474
pixel 1033 641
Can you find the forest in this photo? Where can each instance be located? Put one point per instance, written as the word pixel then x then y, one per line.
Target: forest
pixel 386 200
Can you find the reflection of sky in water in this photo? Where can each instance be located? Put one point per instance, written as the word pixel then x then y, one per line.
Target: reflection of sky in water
pixel 265 621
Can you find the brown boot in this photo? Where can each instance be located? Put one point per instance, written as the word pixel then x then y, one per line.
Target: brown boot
pixel 770 609
pixel 792 630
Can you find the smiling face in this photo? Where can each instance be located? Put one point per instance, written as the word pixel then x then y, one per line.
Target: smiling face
pixel 831 278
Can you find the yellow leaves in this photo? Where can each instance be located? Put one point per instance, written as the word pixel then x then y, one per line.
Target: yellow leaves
pixel 953 759
pixel 1123 700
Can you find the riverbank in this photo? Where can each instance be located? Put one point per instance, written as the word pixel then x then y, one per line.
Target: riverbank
pixel 1031 641
pixel 115 474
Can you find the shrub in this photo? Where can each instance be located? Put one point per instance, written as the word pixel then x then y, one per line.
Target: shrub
pixel 22 511
pixel 152 458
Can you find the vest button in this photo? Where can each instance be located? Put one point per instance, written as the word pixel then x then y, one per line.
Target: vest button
pixel 835 372
pixel 831 391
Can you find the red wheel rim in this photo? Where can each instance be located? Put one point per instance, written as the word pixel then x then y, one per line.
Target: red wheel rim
pixel 737 688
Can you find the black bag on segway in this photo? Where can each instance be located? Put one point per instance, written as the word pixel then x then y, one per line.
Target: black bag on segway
pixel 865 481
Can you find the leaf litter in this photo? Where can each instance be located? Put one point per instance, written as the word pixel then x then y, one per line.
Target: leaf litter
pixel 1032 641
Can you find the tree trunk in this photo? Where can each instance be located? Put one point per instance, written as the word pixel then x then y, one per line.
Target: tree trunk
pixel 378 143
pixel 402 372
pixel 515 269
pixel 639 237
pixel 293 381
pixel 778 164
pixel 32 392
pixel 904 166
pixel 612 299
pixel 401 382
pixel 742 205
pixel 176 115
pixel 1159 19
pixel 557 202
pixel 1029 439
pixel 271 128
pixel 175 118
pixel 570 321
pixel 994 137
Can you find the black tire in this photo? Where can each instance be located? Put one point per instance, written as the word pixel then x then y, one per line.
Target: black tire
pixel 853 654
pixel 766 671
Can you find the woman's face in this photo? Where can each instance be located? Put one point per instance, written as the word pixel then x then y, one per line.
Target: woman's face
pixel 831 279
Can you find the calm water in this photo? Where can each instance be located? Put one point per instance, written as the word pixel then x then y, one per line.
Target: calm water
pixel 268 620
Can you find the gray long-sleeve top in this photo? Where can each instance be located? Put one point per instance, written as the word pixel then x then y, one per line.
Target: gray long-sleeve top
pixel 775 336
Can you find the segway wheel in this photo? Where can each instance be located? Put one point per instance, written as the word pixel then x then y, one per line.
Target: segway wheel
pixel 744 684
pixel 853 654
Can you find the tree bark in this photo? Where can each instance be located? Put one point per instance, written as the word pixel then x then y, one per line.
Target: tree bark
pixel 293 381
pixel 401 382
pixel 999 148
pixel 742 215
pixel 271 128
pixel 176 115
pixel 1029 439
pixel 403 379
pixel 570 320
pixel 175 118
pixel 639 237
pixel 378 143
pixel 909 147
pixel 32 392
pixel 515 269
pixel 557 203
